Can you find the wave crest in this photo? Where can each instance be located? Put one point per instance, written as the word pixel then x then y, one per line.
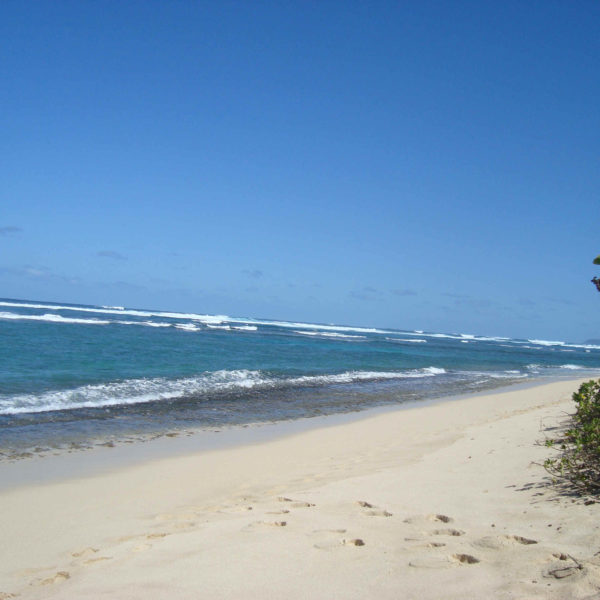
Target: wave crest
pixel 135 391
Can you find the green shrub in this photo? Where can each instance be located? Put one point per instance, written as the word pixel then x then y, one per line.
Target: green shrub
pixel 578 445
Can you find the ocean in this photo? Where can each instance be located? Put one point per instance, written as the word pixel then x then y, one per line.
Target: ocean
pixel 75 376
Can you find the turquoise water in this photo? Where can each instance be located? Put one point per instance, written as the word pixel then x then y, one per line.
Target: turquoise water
pixel 74 373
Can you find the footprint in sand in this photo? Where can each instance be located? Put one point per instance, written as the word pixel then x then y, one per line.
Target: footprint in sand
pixel 465 559
pixel 295 504
pixel 91 561
pixel 56 578
pixel 262 524
pixel 378 513
pixel 496 542
pixel 339 543
pixel 431 518
pixel 375 512
pixel 433 562
pixel 154 536
pixel 448 531
pixel 353 542
pixel 89 554
pixel 426 545
pixel 85 552
pixel 7 595
pixel 328 539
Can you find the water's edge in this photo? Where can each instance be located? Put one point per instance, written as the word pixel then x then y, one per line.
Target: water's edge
pixel 73 464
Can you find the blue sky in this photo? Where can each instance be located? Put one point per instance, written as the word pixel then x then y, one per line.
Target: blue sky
pixel 428 165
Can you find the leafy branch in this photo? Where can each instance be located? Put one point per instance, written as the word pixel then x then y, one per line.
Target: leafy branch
pixel 596 280
pixel 578 445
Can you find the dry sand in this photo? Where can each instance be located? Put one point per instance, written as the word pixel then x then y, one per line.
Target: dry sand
pixel 440 501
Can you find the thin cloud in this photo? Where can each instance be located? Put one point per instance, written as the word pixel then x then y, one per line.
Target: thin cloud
pixel 111 254
pixel 403 292
pixel 526 302
pixel 38 273
pixel 253 273
pixel 561 301
pixel 366 293
pixel 9 230
pixel 464 300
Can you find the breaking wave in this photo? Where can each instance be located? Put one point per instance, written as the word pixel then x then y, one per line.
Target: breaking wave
pixel 51 318
pixel 135 391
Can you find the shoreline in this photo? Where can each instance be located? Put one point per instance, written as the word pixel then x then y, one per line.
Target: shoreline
pixel 447 495
pixel 100 458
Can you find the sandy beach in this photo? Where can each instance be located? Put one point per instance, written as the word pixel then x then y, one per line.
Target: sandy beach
pixel 444 500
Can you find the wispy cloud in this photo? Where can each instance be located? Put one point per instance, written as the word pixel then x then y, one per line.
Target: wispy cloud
pixel 111 254
pixel 405 292
pixel 9 230
pixel 526 302
pixel 365 293
pixel 253 273
pixel 38 273
pixel 561 301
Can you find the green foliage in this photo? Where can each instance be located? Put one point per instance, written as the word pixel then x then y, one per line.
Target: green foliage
pixel 578 461
pixel 596 280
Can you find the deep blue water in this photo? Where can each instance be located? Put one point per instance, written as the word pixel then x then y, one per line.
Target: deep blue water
pixel 74 374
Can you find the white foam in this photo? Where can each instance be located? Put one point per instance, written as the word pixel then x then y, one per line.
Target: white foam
pixel 216 320
pixel 134 391
pixel 187 327
pixel 404 340
pixel 546 343
pixel 507 375
pixel 143 323
pixel 309 326
pixel 352 376
pixel 330 334
pixel 206 319
pixel 119 311
pixel 51 318
pixel 585 347
pixel 571 367
pixel 129 391
pixel 245 327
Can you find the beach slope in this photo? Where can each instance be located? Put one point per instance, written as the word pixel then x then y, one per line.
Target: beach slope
pixel 442 500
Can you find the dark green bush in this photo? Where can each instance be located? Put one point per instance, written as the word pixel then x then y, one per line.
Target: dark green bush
pixel 578 461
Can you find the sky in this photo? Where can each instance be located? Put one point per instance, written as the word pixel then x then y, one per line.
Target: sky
pixel 411 164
